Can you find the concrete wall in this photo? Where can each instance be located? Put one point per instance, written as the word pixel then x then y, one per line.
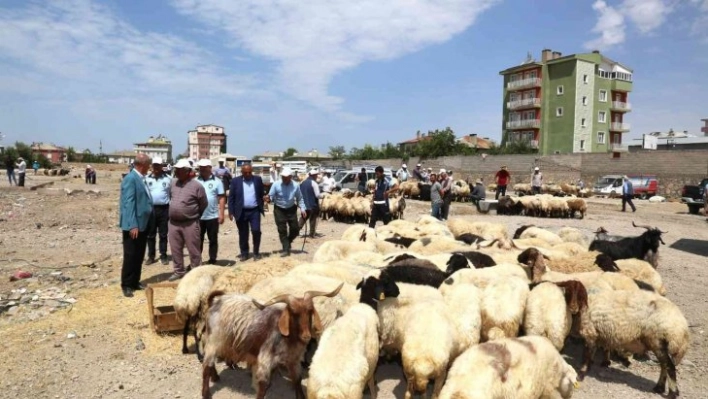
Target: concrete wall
pixel 673 168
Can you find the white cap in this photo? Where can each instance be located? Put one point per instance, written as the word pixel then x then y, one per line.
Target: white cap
pixel 314 172
pixel 286 172
pixel 418 165
pixel 157 161
pixel 183 163
pixel 204 162
pixel 88 166
pixel 536 168
pixel 443 171
pixel 222 159
pixel 404 166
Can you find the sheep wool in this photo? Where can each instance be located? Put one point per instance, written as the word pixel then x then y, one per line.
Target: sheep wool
pixel 570 234
pixel 503 304
pixel 463 302
pixel 193 290
pixel 436 245
pixel 547 315
pixel 342 270
pixel 351 347
pixel 243 277
pixel 527 367
pixel 642 271
pixel 339 249
pixel 545 235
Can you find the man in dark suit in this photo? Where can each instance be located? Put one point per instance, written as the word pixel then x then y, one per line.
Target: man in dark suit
pixel 246 208
pixel 135 215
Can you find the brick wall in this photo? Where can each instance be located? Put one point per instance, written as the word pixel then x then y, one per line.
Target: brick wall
pixel 673 168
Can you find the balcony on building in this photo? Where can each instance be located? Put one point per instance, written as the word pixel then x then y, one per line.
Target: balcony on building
pixel 528 142
pixel 627 77
pixel 524 103
pixel 524 123
pixel 524 84
pixel 619 127
pixel 619 147
pixel 620 106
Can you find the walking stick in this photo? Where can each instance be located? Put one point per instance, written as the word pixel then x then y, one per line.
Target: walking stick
pixel 304 237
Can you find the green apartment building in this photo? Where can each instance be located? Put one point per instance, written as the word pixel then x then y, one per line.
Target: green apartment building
pixel 567 104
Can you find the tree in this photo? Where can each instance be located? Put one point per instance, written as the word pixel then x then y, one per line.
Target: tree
pixel 337 152
pixel 71 155
pixel 24 151
pixel 441 143
pixel 289 152
pixel 44 162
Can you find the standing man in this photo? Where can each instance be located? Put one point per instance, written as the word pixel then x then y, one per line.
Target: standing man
pixel 501 179
pixel 382 189
pixel 275 169
pixel 246 208
pixel 286 196
pixel 21 169
pixel 90 175
pixel 10 167
pixel 213 215
pixel 436 196
pixel 35 166
pixel 328 183
pixel 311 196
pixel 223 173
pixel 536 181
pixel 418 173
pixel 135 215
pixel 159 184
pixel 446 183
pixel 627 194
pixel 362 179
pixel 188 201
pixel 402 174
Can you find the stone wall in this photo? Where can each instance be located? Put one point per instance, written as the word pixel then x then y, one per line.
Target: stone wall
pixel 674 168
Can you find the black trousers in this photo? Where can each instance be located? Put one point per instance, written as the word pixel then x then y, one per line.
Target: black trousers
pixel 286 222
pixel 501 190
pixel 211 229
pixel 21 179
pixel 159 223
pixel 536 190
pixel 445 208
pixel 312 215
pixel 475 199
pixel 627 199
pixel 380 212
pixel 133 254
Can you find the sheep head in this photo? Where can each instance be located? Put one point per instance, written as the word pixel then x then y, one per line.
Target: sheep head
pixel 375 289
pixel 576 296
pixel 456 262
pixel 299 315
pixel 534 259
pixel 606 263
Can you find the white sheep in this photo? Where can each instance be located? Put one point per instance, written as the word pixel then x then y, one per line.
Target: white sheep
pixel 339 249
pixel 545 235
pixel 341 270
pixel 437 244
pixel 571 234
pixel 527 367
pixel 351 347
pixel 550 308
pixel 482 277
pixel 503 304
pixel 487 230
pixel 464 304
pixel 643 271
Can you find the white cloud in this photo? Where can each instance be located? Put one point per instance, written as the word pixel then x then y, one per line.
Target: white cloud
pixel 610 26
pixel 314 40
pixel 646 15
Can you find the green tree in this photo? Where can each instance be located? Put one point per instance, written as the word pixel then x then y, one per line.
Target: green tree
pixel 71 155
pixel 337 152
pixel 289 152
pixel 24 151
pixel 44 162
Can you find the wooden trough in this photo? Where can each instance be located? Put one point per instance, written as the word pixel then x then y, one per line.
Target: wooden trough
pixel 162 318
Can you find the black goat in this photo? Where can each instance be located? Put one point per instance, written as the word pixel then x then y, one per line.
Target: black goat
pixel 606 263
pixel 520 230
pixel 400 240
pixel 469 238
pixel 644 247
pixel 507 206
pixel 478 259
pixel 601 234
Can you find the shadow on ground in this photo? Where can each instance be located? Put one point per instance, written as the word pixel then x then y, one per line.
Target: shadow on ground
pixel 696 247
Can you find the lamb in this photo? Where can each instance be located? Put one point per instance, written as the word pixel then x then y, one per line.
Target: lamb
pixel 482 277
pixel 411 274
pixel 636 269
pixel 550 307
pixel 503 304
pixel 545 235
pixel 645 246
pixel 239 328
pixel 351 344
pixel 577 205
pixel 570 249
pixel 192 293
pixel 527 367
pixel 570 234
pixel 464 302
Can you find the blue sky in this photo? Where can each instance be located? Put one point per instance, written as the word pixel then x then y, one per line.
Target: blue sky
pixel 317 73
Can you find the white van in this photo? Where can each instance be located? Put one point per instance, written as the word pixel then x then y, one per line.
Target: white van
pixel 609 185
pixel 347 178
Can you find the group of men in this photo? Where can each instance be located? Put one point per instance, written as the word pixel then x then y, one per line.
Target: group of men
pixel 21 167
pixel 184 209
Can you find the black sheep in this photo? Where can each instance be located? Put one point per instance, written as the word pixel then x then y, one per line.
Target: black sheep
pixel 469 238
pixel 456 262
pixel 400 240
pixel 606 263
pixel 644 247
pixel 414 275
pixel 478 259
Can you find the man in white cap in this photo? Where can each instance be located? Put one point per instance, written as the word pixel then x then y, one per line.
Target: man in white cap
pixel 287 198
pixel 536 181
pixel 418 173
pixel 90 175
pixel 213 215
pixel 311 196
pixel 187 204
pixel 402 174
pixel 446 183
pixel 159 184
pixel 21 169
pixel 478 193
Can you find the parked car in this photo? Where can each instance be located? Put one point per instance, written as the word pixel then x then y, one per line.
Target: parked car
pixel 645 186
pixel 693 196
pixel 347 178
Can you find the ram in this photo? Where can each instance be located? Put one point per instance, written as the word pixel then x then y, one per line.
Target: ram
pixel 645 246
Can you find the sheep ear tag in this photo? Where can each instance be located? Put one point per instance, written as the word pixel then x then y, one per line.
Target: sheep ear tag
pixel 576 385
pixel 382 296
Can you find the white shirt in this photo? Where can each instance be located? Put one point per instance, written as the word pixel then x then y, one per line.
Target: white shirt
pixel 328 184
pixel 21 167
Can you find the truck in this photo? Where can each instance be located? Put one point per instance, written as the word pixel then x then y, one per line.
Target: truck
pixel 693 196
pixel 645 186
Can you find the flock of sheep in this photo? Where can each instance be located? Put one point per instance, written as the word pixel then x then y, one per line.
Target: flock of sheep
pixel 543 205
pixel 477 311
pixel 347 206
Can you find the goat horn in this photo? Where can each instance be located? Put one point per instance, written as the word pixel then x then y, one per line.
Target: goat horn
pixel 513 245
pixel 646 227
pixel 488 245
pixel 663 232
pixel 311 294
pixel 285 298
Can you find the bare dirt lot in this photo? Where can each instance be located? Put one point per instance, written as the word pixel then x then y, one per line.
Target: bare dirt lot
pixel 69 333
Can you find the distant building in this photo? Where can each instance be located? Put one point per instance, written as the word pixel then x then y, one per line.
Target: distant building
pixel 567 104
pixel 206 142
pixel 673 141
pixel 407 146
pixel 156 147
pixel 53 153
pixel 268 156
pixel 310 156
pixel 704 129
pixel 123 157
pixel 473 141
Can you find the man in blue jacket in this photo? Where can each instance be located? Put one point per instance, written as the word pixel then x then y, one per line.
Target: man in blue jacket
pixel 245 208
pixel 135 217
pixel 627 194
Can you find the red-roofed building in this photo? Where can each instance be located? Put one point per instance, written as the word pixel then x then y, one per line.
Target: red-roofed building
pixel 407 146
pixel 473 141
pixel 53 153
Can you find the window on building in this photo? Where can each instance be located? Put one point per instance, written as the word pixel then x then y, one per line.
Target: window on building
pixel 559 111
pixel 585 79
pixel 603 96
pixel 582 122
pixel 585 100
pixel 600 137
pixel 582 145
pixel 602 117
pixel 559 90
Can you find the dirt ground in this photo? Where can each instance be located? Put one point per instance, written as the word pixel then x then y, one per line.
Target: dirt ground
pixel 79 338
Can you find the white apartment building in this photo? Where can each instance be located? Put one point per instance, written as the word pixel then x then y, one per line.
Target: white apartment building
pixel 156 147
pixel 206 142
